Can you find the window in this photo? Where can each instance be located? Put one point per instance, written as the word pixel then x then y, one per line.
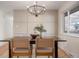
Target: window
pixel 66 22
pixel 72 21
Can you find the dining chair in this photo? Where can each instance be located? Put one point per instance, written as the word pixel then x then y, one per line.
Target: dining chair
pixel 44 47
pixel 21 47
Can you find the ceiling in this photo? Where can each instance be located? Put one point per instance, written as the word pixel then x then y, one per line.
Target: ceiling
pixel 50 5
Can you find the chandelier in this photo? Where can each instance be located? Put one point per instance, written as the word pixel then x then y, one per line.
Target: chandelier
pixel 36 9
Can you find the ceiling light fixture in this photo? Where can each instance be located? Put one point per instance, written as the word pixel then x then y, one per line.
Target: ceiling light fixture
pixel 36 9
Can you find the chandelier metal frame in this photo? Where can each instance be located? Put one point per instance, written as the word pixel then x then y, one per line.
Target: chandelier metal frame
pixel 36 9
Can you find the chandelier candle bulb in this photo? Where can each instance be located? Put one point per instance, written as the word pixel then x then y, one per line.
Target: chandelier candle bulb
pixel 27 6
pixel 35 3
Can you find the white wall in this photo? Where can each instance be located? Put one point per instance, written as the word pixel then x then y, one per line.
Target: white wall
pixel 24 22
pixel 71 46
pixel 6 26
pixel 1 26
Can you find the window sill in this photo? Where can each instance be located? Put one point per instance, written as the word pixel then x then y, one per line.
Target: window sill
pixel 71 34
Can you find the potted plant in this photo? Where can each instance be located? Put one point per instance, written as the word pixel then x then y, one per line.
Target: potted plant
pixel 40 29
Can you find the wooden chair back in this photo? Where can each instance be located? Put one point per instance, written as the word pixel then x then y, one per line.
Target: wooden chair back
pixel 45 43
pixel 20 42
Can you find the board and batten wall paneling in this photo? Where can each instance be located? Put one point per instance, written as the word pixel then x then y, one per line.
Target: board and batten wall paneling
pixel 20 23
pixel 24 22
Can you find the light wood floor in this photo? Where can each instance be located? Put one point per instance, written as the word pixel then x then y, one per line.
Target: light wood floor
pixel 63 54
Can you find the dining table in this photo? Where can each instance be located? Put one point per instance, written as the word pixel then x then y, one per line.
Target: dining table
pixel 32 41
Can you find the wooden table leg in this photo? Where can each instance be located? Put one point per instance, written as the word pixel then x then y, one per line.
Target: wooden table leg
pixel 56 49
pixel 10 50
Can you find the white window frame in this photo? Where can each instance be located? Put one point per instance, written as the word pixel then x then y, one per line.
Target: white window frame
pixel 68 33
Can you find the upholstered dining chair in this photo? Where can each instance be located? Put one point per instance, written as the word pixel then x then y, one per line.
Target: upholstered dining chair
pixel 21 47
pixel 44 47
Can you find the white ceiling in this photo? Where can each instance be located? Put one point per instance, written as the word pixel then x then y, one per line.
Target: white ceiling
pixel 50 5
